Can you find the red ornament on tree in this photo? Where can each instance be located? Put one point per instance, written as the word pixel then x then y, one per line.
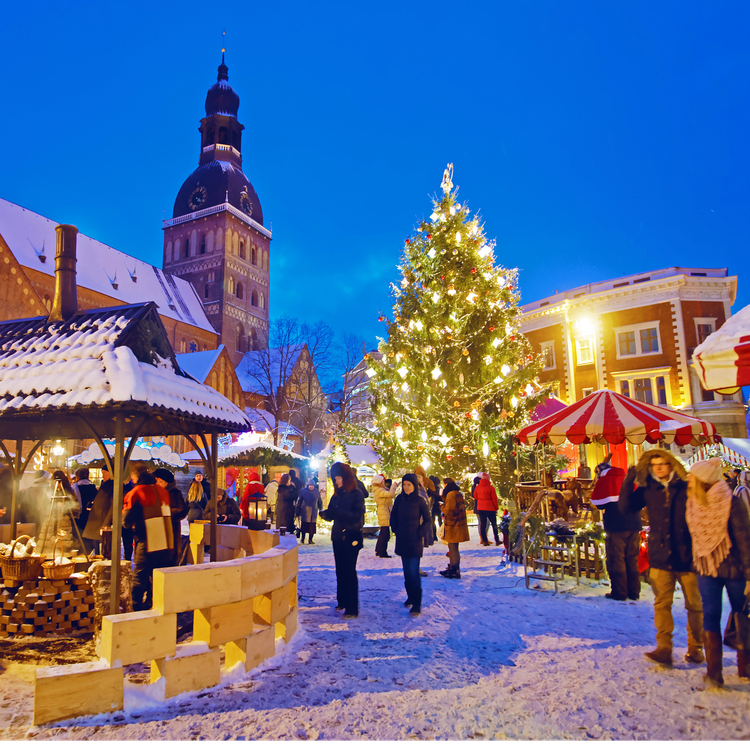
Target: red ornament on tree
pixel 442 278
pixel 429 236
pixel 473 270
pixel 381 318
pixel 450 458
pixel 512 338
pixel 408 241
pixel 492 328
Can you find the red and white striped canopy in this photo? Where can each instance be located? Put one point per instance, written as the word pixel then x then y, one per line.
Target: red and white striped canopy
pixel 608 417
pixel 723 359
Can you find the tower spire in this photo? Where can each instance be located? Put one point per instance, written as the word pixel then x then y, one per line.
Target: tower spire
pixel 223 69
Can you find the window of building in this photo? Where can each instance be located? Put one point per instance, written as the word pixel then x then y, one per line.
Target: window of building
pixel 704 327
pixel 230 285
pixel 211 276
pixel 253 256
pixel 240 291
pixel 707 395
pixel 586 392
pixel 262 301
pixel 585 351
pixel 638 340
pixel 183 345
pixel 187 247
pixel 626 343
pixel 254 299
pixel 548 354
pixel 205 292
pixel 203 245
pixel 193 346
pixel 242 250
pixel 647 386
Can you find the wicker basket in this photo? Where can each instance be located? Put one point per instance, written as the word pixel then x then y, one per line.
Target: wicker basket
pixel 21 568
pixel 54 571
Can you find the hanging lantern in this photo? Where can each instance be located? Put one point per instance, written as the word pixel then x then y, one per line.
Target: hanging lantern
pixel 257 511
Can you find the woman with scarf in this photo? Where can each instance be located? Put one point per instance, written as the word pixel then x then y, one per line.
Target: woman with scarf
pixel 719 524
pixel 347 511
pixel 409 516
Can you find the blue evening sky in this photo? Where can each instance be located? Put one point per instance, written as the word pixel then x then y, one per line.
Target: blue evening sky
pixel 596 138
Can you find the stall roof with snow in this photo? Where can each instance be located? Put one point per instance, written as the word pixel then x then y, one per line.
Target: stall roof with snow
pixel 61 379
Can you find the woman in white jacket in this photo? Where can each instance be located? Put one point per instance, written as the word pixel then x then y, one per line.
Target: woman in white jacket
pixel 384 503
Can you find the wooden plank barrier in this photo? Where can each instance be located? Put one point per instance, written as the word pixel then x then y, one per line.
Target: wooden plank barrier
pixel 252 650
pixel 286 627
pixel 135 637
pixel 224 623
pixel 191 671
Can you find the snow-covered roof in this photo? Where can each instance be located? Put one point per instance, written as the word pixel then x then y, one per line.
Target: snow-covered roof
pixel 358 454
pixel 199 364
pixel 235 450
pixel 98 358
pixel 259 369
pixel 31 237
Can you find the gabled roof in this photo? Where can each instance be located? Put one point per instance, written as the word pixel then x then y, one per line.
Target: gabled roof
pixel 31 237
pixel 104 359
pixel 199 364
pixel 256 370
pixel 263 421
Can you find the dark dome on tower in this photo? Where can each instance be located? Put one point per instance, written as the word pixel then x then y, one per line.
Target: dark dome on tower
pixel 215 183
pixel 221 98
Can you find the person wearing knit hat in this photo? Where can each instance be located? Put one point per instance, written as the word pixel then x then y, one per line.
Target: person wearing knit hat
pixel 658 482
pixel 719 523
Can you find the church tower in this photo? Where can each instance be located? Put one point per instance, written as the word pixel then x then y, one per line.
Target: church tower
pixel 216 238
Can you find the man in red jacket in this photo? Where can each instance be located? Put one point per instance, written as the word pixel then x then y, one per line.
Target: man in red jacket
pixel 485 502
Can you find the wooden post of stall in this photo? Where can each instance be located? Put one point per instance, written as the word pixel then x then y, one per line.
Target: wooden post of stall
pixel 213 458
pixel 15 487
pixel 114 581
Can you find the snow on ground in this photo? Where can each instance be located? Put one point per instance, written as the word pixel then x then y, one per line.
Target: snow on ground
pixel 486 659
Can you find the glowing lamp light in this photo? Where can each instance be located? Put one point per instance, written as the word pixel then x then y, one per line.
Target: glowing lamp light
pixel 505 370
pixel 488 360
pixel 423 435
pixel 405 387
pixel 485 449
pixel 426 463
pixel 435 297
pixel 501 281
pixel 399 432
pixel 58 449
pixel 436 373
pixel 475 415
pixel 471 296
pixel 529 389
pixel 451 292
pixel 498 379
pixel 434 216
pixel 585 326
pixel 257 511
pixel 514 402
pixel 418 325
pixel 313 463
pixel 496 342
pixel 383 409
pixel 508 329
pixel 370 372
pixel 484 251
pixel 403 371
pixel 458 238
pixel 432 253
pixel 443 439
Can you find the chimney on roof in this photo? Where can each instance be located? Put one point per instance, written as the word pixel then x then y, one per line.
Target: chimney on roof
pixel 65 303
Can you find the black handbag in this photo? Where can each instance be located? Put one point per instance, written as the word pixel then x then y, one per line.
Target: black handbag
pixel 737 632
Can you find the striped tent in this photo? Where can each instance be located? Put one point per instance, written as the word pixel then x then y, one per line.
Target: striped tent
pixel 723 359
pixel 608 417
pixel 725 451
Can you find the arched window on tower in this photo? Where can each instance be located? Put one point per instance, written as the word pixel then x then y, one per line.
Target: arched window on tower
pixel 242 249
pixel 187 247
pixel 203 244
pixel 253 256
pixel 252 343
pixel 205 292
pixel 230 285
pixel 223 136
pixel 254 299
pixel 262 301
pixel 239 338
pixel 240 290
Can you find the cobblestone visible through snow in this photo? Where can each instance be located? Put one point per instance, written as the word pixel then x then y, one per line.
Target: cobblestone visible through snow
pixel 487 659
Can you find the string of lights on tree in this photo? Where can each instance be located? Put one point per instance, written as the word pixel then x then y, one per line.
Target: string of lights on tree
pixel 454 379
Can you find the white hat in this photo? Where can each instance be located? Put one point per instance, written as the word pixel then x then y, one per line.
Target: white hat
pixel 378 479
pixel 709 472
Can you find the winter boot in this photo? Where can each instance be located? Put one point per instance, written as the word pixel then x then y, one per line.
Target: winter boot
pixel 694 655
pixel 456 572
pixel 661 655
pixel 743 663
pixel 416 608
pixel 714 659
pixel 448 572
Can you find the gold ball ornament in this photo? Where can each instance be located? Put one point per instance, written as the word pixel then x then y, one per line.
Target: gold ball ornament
pixel 433 421
pixel 465 352
pixel 466 449
pixel 456 404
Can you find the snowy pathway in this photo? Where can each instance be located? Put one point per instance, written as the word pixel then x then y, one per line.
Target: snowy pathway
pixel 487 659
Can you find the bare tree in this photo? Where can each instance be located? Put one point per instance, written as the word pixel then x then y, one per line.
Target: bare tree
pixel 268 370
pixel 350 403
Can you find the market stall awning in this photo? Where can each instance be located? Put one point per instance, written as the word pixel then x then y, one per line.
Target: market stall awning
pixel 609 417
pixel 723 359
pixel 733 450
pixel 254 454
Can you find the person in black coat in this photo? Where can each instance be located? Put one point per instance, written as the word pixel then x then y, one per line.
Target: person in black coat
pixel 347 511
pixel 409 514
pixel 361 485
pixel 286 498
pixel 659 483
pixel 295 480
pixel 165 478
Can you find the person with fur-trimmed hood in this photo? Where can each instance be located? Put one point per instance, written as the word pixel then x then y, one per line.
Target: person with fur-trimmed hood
pixel 658 482
pixel 456 530
pixel 347 511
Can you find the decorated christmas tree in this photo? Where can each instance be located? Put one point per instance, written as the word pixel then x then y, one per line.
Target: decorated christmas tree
pixel 456 378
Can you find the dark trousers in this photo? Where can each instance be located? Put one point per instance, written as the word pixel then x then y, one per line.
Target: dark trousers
pixel 622 548
pixel 711 593
pixel 484 516
pixel 127 543
pixel 144 565
pixel 347 587
pixel 412 580
pixel 384 535
pixel 454 556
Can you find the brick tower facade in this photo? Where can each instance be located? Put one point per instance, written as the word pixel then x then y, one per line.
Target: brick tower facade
pixel 216 238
